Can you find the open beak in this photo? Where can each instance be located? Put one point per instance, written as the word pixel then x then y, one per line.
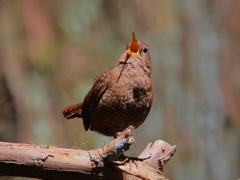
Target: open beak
pixel 133 48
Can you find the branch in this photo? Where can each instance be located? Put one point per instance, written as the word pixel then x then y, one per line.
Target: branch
pixel 107 162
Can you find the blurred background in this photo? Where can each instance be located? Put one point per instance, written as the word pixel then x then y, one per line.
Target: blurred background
pixel 50 52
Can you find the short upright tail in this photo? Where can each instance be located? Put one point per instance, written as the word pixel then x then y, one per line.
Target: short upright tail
pixel 73 111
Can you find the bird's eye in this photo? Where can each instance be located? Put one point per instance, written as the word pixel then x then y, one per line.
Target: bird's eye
pixel 145 50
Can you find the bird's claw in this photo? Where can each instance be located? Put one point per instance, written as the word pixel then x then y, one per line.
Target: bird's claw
pixel 130 160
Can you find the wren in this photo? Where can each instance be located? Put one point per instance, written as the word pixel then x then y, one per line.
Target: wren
pixel 121 96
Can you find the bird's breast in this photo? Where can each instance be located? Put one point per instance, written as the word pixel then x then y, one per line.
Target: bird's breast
pixel 131 90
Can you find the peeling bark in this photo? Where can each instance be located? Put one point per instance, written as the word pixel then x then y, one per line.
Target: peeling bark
pixel 107 162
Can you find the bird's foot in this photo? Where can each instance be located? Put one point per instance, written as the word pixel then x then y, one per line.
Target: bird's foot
pixel 124 132
pixel 120 133
pixel 131 160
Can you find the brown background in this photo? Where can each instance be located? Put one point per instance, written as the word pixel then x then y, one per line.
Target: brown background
pixel 50 52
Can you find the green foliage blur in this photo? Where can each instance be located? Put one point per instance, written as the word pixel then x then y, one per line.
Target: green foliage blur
pixel 50 52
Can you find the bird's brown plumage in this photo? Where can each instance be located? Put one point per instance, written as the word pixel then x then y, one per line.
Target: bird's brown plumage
pixel 121 96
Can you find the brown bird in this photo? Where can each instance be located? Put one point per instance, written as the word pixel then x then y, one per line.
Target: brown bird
pixel 121 96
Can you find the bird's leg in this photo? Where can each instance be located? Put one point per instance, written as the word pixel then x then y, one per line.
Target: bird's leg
pixel 122 159
pixel 120 133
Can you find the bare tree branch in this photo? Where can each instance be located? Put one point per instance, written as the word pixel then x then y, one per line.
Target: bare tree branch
pixel 107 162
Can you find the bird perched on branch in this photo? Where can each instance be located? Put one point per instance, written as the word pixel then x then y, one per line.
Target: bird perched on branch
pixel 121 96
